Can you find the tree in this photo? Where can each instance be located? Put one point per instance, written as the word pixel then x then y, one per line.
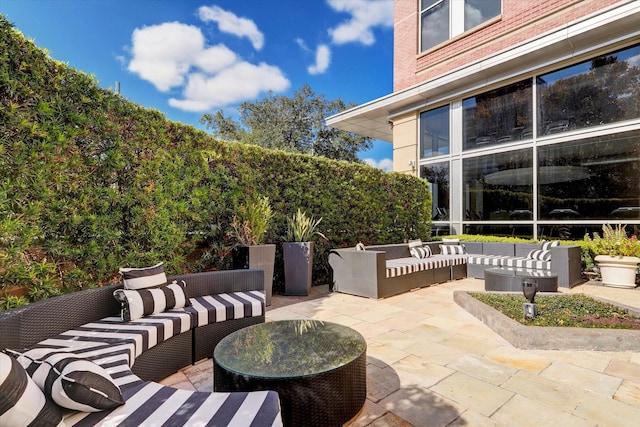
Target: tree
pixel 294 124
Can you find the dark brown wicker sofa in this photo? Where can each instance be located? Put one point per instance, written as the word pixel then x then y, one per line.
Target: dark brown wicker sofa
pixel 137 353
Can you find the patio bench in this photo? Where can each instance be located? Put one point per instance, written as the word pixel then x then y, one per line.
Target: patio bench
pixel 87 325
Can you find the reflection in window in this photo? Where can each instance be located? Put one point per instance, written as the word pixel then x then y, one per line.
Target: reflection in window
pixel 499 116
pixel 438 177
pixel 434 132
pixel 435 16
pixel 594 178
pixel 603 90
pixel 478 11
pixel 434 22
pixel 498 187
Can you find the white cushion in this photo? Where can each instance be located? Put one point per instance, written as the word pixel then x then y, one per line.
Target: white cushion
pixel 415 243
pixel 147 277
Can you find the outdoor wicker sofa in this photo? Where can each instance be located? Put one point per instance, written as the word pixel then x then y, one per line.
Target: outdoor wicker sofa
pixel 381 271
pixel 136 353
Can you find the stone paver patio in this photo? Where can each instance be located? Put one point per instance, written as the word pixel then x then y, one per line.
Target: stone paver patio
pixel 431 363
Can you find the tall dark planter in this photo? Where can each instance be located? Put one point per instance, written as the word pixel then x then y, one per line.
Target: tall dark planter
pixel 261 257
pixel 298 264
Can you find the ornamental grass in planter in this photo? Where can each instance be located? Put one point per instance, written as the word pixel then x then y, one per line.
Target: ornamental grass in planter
pixel 298 253
pixel 250 225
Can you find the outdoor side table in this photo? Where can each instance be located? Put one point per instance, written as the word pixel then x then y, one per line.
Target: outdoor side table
pixel 510 279
pixel 318 368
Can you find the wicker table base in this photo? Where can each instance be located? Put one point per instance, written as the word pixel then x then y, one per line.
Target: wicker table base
pixel 510 279
pixel 317 368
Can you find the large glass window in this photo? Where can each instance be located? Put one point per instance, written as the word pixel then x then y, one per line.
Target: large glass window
pixel 478 11
pixel 434 132
pixel 499 187
pixel 499 116
pixel 594 178
pixel 434 22
pixel 603 90
pixel 438 177
pixel 442 19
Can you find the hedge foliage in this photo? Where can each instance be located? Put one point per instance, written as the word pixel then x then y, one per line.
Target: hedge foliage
pixel 92 182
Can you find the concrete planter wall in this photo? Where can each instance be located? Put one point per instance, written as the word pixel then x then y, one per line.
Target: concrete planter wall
pixel 260 257
pixel 298 263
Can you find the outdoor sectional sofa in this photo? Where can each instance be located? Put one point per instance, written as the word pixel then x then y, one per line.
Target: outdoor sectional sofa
pixel 88 324
pixel 381 271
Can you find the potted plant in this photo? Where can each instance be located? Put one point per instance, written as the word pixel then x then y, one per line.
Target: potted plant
pixel 617 255
pixel 298 252
pixel 250 225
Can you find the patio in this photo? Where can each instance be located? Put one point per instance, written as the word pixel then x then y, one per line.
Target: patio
pixel 431 363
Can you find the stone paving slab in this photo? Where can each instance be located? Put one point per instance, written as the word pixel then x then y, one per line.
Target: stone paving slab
pixel 470 392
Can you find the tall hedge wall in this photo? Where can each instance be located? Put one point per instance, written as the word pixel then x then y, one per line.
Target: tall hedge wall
pixel 92 182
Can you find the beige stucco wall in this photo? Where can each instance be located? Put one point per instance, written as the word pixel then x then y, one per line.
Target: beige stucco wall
pixel 405 132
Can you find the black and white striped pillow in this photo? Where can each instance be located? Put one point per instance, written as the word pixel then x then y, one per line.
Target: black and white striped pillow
pixel 69 380
pixel 540 255
pixel 143 302
pixel 22 403
pixel 546 245
pixel 142 278
pixel 421 252
pixel 452 250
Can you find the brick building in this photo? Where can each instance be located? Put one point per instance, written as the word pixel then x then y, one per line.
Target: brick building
pixel 523 115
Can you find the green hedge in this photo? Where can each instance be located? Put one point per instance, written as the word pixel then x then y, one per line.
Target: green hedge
pixel 92 182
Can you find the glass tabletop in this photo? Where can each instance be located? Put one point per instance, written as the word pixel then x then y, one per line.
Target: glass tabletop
pixel 289 348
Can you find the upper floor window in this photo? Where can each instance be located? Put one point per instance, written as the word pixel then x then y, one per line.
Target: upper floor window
pixel 442 19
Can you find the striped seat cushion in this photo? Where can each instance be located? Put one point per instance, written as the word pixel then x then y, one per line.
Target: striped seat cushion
pixel 234 305
pixel 528 263
pixel 133 337
pixel 152 404
pixel 493 260
pixel 402 266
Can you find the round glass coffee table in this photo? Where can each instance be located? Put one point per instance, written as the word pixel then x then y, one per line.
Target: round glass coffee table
pixel 318 368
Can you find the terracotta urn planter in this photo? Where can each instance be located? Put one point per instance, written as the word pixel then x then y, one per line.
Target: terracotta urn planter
pixel 618 271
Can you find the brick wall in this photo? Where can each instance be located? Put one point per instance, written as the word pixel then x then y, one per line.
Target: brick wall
pixel 521 20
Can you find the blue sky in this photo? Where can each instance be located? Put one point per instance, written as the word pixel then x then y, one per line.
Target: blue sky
pixel 186 57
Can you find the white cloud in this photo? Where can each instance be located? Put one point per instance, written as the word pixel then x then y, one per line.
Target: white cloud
pixel 365 15
pixel 163 54
pixel 323 58
pixel 232 24
pixel 174 55
pixel 384 164
pixel 232 85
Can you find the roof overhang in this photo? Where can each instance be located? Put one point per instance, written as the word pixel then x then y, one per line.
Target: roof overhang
pixel 617 24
